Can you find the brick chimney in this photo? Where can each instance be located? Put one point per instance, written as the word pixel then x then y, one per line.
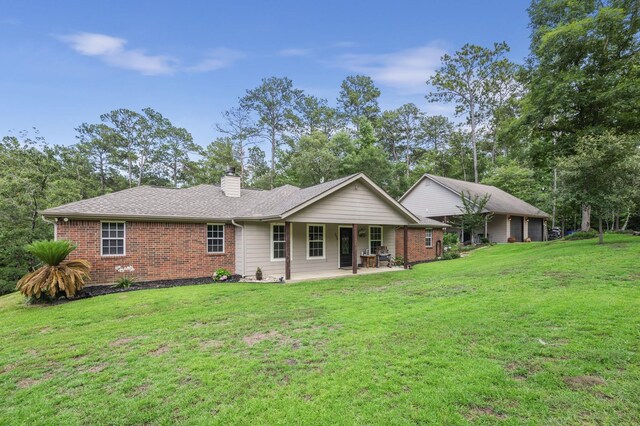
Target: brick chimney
pixel 230 183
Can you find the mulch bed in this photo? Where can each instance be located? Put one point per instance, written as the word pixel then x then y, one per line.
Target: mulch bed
pixel 100 290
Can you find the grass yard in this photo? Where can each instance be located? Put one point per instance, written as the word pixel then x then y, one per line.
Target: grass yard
pixel 545 333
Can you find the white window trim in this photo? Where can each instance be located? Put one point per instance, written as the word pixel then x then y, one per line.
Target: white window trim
pixel 290 242
pixel 425 238
pixel 206 235
pixel 124 239
pixel 381 236
pixel 324 242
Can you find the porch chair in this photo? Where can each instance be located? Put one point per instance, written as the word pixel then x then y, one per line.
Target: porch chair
pixel 383 255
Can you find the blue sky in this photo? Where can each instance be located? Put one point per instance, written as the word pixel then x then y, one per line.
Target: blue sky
pixel 66 62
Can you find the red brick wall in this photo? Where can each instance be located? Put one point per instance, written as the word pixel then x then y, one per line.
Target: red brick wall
pixel 157 251
pixel 418 252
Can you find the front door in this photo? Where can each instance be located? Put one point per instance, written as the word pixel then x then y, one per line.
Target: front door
pixel 346 253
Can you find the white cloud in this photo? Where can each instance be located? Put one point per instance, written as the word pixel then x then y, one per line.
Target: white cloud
pixel 406 70
pixel 112 51
pixel 295 52
pixel 216 59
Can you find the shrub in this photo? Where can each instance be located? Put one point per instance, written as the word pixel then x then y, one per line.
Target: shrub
pixel 450 255
pixel 450 239
pixel 485 240
pixel 124 282
pixel 259 274
pixel 582 235
pixel 7 287
pixel 56 276
pixel 221 274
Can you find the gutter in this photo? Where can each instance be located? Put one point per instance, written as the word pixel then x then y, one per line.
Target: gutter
pixel 55 227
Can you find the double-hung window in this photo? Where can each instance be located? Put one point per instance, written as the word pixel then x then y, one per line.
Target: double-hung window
pixel 375 238
pixel 315 242
pixel 112 240
pixel 277 242
pixel 215 238
pixel 428 240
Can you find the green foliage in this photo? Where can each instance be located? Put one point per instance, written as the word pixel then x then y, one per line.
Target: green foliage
pixel 602 173
pixel 582 235
pixel 50 252
pixel 124 282
pixel 450 255
pixel 221 274
pixel 504 328
pixel 472 216
pixel 450 239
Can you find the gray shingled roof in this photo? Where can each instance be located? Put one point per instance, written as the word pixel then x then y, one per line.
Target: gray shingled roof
pixel 432 222
pixel 202 202
pixel 500 201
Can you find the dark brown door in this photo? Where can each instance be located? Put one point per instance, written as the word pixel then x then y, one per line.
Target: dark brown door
pixel 346 258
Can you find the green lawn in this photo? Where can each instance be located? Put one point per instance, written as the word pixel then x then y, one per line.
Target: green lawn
pixel 542 333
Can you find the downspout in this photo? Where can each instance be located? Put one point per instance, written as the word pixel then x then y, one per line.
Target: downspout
pixel 244 251
pixel 55 227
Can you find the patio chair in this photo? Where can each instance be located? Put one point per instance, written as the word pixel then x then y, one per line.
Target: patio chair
pixel 383 255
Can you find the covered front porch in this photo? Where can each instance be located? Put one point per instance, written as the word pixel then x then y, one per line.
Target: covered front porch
pixel 339 273
pixel 355 248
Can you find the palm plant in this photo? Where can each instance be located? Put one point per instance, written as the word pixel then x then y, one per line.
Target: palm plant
pixel 55 275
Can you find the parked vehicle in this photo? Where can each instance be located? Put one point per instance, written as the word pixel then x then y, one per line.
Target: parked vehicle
pixel 554 234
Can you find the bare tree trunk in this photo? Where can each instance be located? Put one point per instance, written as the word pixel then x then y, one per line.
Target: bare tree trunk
pixel 600 232
pixel 473 140
pixel 626 221
pixel 586 218
pixel 273 158
pixel 129 171
pixel 555 192
pixel 101 175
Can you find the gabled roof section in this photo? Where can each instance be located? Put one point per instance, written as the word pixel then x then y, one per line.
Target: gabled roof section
pixel 314 194
pixel 499 201
pixel 208 202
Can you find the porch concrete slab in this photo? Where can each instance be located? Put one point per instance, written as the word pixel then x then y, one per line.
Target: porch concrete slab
pixel 314 276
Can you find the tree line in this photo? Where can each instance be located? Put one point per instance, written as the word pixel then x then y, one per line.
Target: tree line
pixel 559 130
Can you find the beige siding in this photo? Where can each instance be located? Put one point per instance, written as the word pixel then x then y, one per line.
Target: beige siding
pixel 258 252
pixel 239 251
pixel 355 203
pixel 430 199
pixel 497 228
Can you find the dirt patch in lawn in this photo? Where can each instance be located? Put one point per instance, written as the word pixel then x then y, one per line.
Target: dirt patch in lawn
pixel 97 368
pixel 121 341
pixel 582 382
pixel 163 349
pixel 477 412
pixel 27 383
pixel 275 336
pixel 254 339
pixel 211 344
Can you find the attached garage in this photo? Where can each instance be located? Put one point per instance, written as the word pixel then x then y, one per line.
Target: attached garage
pixel 536 229
pixel 516 228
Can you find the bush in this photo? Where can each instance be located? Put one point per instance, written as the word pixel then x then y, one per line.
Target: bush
pixel 259 274
pixel 485 240
pixel 56 276
pixel 124 282
pixel 582 235
pixel 450 239
pixel 398 260
pixel 221 274
pixel 7 287
pixel 450 255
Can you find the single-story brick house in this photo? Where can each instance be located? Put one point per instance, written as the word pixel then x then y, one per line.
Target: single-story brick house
pixel 439 198
pixel 174 233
